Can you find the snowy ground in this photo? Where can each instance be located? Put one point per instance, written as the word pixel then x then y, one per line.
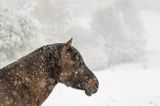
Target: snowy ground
pixel 119 86
pixel 134 84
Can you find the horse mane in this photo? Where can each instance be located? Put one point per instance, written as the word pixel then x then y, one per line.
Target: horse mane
pixel 52 55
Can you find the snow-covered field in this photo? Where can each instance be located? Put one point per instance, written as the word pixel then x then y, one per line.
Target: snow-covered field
pixel 134 84
pixel 119 86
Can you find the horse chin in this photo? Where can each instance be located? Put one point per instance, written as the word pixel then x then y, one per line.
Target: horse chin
pixel 88 93
pixel 68 84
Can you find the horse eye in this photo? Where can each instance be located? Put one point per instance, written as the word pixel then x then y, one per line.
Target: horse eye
pixel 68 51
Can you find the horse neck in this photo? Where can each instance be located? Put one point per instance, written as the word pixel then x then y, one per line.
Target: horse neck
pixel 48 70
pixel 38 72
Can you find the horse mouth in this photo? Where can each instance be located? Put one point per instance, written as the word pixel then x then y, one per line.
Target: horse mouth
pixel 90 91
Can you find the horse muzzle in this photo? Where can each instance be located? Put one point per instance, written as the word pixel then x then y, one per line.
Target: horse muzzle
pixel 91 87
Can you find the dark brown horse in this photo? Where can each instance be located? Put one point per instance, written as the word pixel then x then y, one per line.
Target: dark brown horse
pixel 30 80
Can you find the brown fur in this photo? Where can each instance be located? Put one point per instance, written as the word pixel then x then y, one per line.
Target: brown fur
pixel 30 80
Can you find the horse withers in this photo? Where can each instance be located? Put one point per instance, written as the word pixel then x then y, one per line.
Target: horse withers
pixel 30 80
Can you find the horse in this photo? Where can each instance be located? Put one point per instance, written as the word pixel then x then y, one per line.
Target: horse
pixel 29 80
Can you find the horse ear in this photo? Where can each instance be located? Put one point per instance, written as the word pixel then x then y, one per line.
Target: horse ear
pixel 68 44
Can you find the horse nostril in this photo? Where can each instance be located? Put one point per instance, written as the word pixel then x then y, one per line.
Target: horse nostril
pixel 94 90
pixel 96 85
